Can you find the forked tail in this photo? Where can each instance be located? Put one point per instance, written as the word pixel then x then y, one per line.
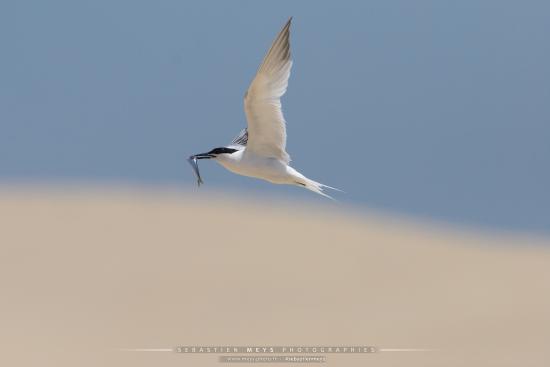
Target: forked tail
pixel 316 187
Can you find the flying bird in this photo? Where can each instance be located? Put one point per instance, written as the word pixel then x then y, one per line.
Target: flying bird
pixel 260 149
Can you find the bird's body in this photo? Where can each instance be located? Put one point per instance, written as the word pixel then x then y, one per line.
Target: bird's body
pixel 253 165
pixel 260 150
pixel 265 168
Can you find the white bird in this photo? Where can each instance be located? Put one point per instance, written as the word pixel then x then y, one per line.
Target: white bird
pixel 260 149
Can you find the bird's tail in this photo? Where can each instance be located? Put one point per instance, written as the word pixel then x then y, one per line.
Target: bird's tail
pixel 317 187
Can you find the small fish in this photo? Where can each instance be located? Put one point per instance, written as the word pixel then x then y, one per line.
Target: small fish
pixel 193 162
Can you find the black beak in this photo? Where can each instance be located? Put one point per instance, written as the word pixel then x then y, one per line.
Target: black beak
pixel 193 162
pixel 202 156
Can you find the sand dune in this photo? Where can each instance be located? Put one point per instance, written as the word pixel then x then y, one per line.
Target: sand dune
pixel 84 273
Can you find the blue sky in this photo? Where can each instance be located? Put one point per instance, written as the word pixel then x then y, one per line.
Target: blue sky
pixel 436 109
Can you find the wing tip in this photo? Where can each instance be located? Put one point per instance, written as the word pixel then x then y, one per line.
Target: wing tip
pixel 288 23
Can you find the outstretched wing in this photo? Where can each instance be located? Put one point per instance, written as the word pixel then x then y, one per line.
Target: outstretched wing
pixel 262 102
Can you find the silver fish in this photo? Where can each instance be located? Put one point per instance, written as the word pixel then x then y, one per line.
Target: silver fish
pixel 193 162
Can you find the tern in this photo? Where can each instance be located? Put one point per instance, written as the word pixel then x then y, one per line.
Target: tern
pixel 259 150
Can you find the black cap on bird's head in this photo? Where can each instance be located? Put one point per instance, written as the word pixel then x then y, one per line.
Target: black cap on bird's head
pixel 214 153
pixel 211 154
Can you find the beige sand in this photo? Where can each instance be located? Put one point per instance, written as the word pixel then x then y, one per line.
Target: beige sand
pixel 83 273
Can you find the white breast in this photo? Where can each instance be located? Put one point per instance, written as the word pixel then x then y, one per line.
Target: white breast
pixel 251 165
